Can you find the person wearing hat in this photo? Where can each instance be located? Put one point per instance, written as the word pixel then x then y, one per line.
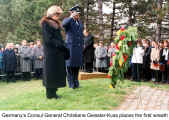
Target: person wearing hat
pixel 55 52
pixel 74 41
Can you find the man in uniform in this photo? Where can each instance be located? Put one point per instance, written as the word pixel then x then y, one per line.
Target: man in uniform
pixel 74 41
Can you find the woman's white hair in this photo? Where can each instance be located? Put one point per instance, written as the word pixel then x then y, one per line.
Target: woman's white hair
pixel 53 10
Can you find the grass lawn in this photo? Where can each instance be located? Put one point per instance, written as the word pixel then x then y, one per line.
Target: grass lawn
pixel 93 94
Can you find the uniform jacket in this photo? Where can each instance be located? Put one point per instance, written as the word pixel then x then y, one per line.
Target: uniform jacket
pixel 74 41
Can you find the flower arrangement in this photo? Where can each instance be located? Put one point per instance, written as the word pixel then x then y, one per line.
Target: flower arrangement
pixel 120 62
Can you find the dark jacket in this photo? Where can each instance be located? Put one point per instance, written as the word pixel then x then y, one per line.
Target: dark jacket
pixel 55 54
pixel 10 61
pixel 1 60
pixel 163 60
pixel 146 58
pixel 74 41
pixel 88 51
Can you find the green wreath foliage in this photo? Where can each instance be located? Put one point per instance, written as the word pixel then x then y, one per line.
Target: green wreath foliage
pixel 120 61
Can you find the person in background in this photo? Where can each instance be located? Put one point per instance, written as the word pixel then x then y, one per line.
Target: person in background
pixel 55 52
pixel 25 53
pixel 152 44
pixel 32 45
pixel 111 51
pixel 88 51
pixel 101 54
pixel 137 61
pixel 1 61
pixel 94 62
pixel 164 59
pixel 38 57
pixel 146 61
pixel 73 27
pixel 9 59
pixel 161 47
pixel 17 59
pixel 155 59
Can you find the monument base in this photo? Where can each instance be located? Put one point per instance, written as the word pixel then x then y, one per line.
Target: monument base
pixel 86 76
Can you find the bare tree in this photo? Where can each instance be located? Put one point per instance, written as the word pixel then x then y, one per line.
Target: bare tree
pixel 101 28
pixel 112 21
pixel 159 21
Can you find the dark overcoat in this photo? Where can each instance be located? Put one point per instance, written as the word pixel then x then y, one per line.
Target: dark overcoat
pixel 88 51
pixel 10 61
pixel 54 55
pixel 74 41
pixel 146 58
pixel 1 60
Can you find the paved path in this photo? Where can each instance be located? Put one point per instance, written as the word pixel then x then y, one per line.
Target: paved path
pixel 146 98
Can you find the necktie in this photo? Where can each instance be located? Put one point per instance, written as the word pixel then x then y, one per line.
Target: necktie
pixel 77 22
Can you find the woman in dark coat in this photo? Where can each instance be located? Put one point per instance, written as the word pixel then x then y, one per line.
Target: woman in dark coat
pixel 9 59
pixel 55 52
pixel 164 60
pixel 146 61
pixel 88 51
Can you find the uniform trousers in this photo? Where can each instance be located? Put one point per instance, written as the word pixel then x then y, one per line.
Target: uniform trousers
pixel 72 77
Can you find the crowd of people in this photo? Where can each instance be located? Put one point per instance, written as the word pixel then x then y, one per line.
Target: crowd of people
pixel 150 59
pixel 26 59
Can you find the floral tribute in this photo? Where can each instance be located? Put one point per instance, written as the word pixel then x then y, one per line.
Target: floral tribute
pixel 120 62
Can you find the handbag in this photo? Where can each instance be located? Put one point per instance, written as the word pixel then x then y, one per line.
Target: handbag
pixel 162 67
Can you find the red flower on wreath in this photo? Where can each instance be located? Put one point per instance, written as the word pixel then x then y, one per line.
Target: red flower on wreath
pixel 117 47
pixel 108 76
pixel 168 62
pixel 125 57
pixel 122 37
pixel 129 43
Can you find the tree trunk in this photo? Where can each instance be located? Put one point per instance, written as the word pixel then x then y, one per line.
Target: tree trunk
pixel 87 14
pixel 101 28
pixel 131 13
pixel 112 22
pixel 83 11
pixel 159 21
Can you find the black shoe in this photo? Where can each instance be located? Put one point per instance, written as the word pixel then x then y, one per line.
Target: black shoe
pixel 73 87
pixel 51 97
pixel 56 96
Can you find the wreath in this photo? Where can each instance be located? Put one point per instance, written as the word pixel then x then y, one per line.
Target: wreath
pixel 120 61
